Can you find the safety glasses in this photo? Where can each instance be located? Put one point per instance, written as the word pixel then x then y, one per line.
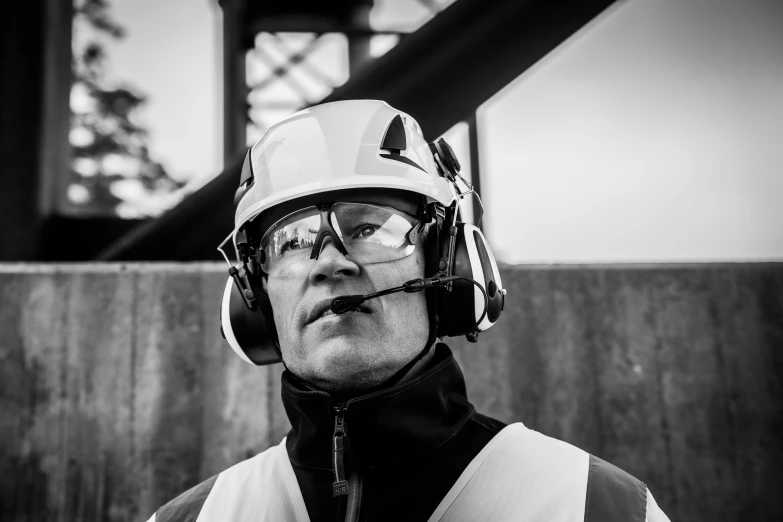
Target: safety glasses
pixel 362 232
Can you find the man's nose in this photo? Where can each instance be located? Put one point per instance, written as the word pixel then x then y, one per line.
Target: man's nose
pixel 331 264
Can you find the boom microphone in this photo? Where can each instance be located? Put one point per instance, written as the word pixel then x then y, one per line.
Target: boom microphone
pixel 342 304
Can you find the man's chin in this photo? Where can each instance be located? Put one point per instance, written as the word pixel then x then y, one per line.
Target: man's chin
pixel 345 363
pixel 325 345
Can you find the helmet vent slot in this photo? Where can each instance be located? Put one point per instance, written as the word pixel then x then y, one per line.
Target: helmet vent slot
pixel 394 141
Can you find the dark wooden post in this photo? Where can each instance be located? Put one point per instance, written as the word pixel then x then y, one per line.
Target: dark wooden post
pixel 234 87
pixel 35 61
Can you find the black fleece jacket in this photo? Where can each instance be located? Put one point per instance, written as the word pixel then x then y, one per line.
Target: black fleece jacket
pixel 397 451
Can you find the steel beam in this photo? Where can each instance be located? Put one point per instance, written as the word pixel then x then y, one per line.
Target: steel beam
pixel 440 74
pixel 444 71
pixel 235 116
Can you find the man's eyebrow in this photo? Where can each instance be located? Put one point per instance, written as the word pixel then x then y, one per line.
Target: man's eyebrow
pixel 397 209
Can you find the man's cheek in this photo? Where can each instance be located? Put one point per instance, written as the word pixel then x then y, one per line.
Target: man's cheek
pixel 283 324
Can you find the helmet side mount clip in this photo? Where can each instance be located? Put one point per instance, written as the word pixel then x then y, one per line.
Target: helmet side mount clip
pixel 446 159
pixel 240 275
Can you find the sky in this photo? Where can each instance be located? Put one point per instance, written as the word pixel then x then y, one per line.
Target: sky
pixel 172 53
pixel 652 135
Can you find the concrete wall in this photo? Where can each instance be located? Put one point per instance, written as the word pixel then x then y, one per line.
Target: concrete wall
pixel 118 392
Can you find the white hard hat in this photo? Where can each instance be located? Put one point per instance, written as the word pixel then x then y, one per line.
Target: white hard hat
pixel 345 146
pixel 337 146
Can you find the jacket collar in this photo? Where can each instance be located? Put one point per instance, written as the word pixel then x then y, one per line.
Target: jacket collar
pixel 385 427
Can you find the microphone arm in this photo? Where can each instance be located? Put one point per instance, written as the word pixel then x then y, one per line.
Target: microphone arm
pixel 342 304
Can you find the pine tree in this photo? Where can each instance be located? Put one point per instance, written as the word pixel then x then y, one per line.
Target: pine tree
pixel 108 146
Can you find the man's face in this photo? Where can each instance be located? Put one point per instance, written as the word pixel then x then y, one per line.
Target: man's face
pixel 358 349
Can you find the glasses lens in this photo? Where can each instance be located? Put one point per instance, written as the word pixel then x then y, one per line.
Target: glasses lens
pixel 372 233
pixel 290 240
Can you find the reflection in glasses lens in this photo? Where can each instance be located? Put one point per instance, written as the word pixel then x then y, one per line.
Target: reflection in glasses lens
pixel 369 233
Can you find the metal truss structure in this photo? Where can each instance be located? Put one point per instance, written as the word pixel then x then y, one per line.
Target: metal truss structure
pixel 441 73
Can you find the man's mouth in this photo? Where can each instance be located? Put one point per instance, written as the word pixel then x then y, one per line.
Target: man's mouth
pixel 356 309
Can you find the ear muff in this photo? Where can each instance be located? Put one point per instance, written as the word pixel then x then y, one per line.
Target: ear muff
pixel 460 310
pixel 250 332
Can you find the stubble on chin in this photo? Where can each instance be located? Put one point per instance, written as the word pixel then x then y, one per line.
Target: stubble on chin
pixel 343 367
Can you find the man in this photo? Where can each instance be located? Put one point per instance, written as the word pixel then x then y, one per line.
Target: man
pixel 352 260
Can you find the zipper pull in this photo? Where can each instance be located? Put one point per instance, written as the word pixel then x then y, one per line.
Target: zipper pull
pixel 340 484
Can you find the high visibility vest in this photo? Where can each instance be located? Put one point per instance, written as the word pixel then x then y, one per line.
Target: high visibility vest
pixel 520 475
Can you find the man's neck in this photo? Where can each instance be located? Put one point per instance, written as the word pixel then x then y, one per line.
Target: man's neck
pixel 419 367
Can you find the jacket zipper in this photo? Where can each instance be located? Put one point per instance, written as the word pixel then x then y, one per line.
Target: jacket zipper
pixel 347 489
pixel 340 484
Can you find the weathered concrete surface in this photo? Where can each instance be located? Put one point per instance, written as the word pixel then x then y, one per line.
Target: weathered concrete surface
pixel 117 391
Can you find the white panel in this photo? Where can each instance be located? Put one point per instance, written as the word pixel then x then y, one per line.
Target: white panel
pixel 653 135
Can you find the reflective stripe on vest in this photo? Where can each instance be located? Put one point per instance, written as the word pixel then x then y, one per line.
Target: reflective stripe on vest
pixel 613 495
pixel 187 506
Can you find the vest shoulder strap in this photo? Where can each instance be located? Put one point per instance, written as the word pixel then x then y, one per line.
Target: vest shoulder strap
pixel 262 488
pixel 521 476
pixel 524 476
pixel 613 495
